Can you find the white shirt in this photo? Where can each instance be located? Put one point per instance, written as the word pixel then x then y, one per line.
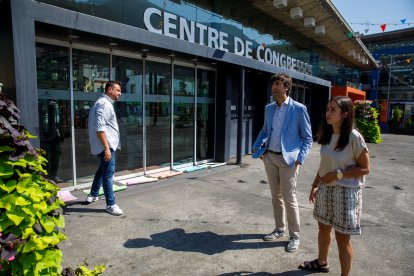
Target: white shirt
pixel 331 160
pixel 277 124
pixel 102 117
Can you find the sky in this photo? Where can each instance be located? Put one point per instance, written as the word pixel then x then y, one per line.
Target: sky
pixel 371 14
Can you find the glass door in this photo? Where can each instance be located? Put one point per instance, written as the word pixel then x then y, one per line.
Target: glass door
pixel 157 119
pixel 52 65
pixel 184 93
pixel 205 115
pixel 129 111
pixel 183 99
pixel 90 74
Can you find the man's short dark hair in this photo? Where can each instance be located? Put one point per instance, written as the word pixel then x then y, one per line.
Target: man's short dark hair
pixel 111 84
pixel 285 78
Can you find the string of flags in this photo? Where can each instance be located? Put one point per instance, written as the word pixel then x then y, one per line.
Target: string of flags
pixel 350 34
pixel 397 62
pixel 382 26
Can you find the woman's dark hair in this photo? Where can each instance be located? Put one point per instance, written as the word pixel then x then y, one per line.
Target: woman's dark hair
pixel 348 124
pixel 111 84
pixel 287 81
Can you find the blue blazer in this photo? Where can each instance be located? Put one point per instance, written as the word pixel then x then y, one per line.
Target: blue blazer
pixel 296 136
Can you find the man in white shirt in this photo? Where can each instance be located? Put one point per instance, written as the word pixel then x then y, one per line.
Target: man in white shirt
pixel 104 140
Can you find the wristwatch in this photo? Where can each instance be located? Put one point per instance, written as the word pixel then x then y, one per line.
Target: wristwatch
pixel 339 174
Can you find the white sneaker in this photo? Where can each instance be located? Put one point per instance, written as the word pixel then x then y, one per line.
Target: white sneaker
pixel 91 199
pixel 277 233
pixel 57 179
pixel 293 244
pixel 114 210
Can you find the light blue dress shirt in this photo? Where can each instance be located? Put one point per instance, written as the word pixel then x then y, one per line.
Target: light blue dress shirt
pixel 277 124
pixel 102 117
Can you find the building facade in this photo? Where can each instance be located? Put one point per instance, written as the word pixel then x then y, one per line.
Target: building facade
pixel 391 85
pixel 195 74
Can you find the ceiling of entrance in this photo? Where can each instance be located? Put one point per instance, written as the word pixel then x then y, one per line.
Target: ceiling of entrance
pixel 267 19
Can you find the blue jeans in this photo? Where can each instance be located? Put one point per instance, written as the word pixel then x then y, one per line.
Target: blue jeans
pixel 103 178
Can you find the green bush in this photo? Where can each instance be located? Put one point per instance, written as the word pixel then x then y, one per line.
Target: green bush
pixel 367 121
pixel 397 114
pixel 408 124
pixel 31 215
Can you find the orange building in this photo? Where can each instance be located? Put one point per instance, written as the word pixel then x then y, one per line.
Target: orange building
pixel 353 93
pixel 383 104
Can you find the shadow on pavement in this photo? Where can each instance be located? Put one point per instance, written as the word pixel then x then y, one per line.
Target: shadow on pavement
pixel 287 273
pixel 69 209
pixel 204 242
pixel 76 202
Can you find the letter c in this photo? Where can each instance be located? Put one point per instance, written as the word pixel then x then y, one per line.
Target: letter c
pixel 147 19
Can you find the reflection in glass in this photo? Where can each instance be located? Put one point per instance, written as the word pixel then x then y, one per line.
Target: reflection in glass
pixel 129 110
pixel 157 114
pixel 205 115
pixel 90 74
pixel 54 109
pixel 183 115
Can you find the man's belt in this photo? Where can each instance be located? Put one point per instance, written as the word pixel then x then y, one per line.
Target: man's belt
pixel 275 152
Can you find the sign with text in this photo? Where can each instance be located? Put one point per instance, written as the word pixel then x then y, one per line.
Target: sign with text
pixel 171 25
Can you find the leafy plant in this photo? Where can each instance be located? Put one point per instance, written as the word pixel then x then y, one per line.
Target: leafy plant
pixel 367 121
pixel 31 215
pixel 84 271
pixel 397 114
pixel 408 124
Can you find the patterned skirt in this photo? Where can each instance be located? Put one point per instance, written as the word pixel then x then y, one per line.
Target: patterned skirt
pixel 340 207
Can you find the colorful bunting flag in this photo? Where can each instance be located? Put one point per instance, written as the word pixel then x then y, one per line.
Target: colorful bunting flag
pixel 366 31
pixel 350 34
pixel 264 44
pixel 383 26
pixel 403 22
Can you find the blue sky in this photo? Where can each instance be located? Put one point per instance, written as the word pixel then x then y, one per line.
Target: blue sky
pixel 373 13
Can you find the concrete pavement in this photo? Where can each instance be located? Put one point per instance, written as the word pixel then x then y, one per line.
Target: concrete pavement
pixel 211 222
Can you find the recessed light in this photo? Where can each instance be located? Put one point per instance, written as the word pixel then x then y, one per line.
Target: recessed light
pixel 73 36
pixel 144 50
pixel 113 44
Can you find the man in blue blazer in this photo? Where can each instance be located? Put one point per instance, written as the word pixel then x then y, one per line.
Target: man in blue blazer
pixel 283 144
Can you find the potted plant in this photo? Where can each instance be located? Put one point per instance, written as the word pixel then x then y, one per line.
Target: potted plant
pixel 31 215
pixel 367 121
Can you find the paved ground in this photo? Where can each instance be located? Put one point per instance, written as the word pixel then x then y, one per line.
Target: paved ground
pixel 211 222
